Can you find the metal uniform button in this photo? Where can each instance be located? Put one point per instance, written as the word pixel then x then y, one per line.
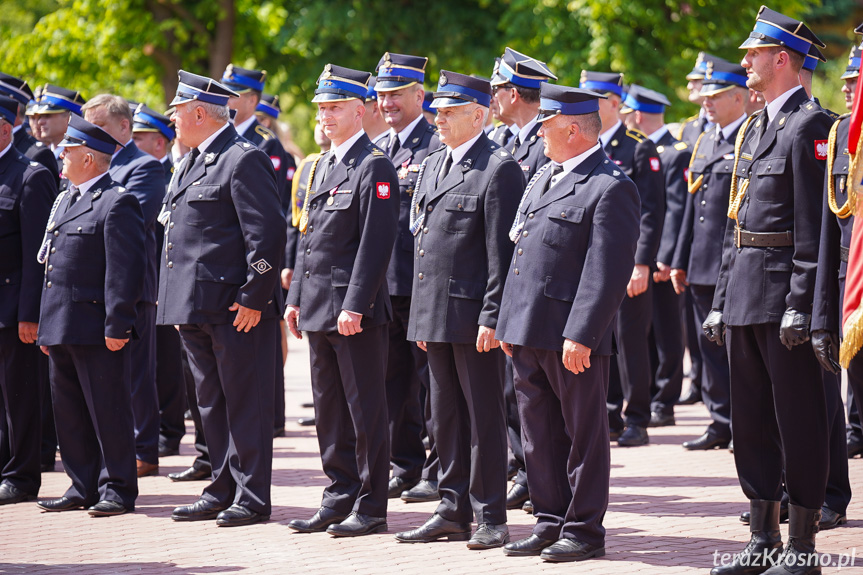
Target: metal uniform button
pixel 701 219
pixel 56 233
pixel 520 251
pixel 426 230
pixel 171 225
pixel 53 250
pixel 170 264
pixel 48 284
pixel 420 276
pixel 516 271
pixel 524 233
pixel 200 195
pixel 307 274
pixel 422 253
pixel 703 203
pixel 80 228
pixel 308 251
pixel 371 306
pixel 221 278
pixel 530 215
pixel 173 206
pixel 430 208
pixel 563 215
pixel 50 269
pixel 311 228
pixel 460 207
pixel 170 246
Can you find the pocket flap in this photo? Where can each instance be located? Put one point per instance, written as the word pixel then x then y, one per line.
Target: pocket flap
pixel 341 277
pixel 7 203
pixel 771 166
pixel 81 228
pixel 566 213
pixel 220 273
pixel 466 289
pixel 340 202
pixel 556 289
pixel 743 167
pixel 460 203
pixel 203 193
pixel 88 294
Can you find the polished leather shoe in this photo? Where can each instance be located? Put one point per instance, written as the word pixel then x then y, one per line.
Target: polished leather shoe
pixel 614 434
pixel 706 442
pixel 830 519
pixel 191 474
pixel 854 449
pixel 527 507
pixel 147 469
pixel 106 508
pixel 167 451
pixel 425 490
pixel 436 528
pixel 511 470
pixel 10 494
pixel 731 446
pixel 693 396
pixel 319 522
pixel 399 484
pixel 358 524
pixel 517 495
pixel 632 436
pixel 565 550
pixel 489 536
pixel 200 510
pixel 61 504
pixel 307 404
pixel 306 421
pixel 237 516
pixel 783 514
pixel 661 419
pixel 527 547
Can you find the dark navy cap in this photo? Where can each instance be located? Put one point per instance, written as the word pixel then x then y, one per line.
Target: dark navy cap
pixel 243 79
pixel 269 105
pixel 721 76
pixel 80 132
pixel 775 29
pixel 193 87
pixel 602 82
pixel 397 71
pixel 556 100
pixel 8 109
pixel 853 69
pixel 15 88
pixel 133 105
pixel 812 58
pixel 371 93
pixel 54 99
pixel 700 68
pixel 458 89
pixel 148 120
pixel 521 70
pixel 337 84
pixel 641 99
pixel 427 100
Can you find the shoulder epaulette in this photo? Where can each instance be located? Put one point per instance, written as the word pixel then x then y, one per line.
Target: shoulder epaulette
pixel 636 135
pixel 264 132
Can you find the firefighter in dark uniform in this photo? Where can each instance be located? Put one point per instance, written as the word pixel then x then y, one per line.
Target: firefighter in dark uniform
pixel 694 126
pixel 765 296
pixel 339 293
pixel 638 158
pixel 51 112
pixel 17 89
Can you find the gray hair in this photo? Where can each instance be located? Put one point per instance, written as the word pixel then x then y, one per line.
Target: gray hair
pixel 114 105
pixel 590 125
pixel 215 111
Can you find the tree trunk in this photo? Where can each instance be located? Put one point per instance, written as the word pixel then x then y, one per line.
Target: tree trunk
pixel 222 46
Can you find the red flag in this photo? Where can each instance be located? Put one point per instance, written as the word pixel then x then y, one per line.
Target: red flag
pixel 852 311
pixel 856 121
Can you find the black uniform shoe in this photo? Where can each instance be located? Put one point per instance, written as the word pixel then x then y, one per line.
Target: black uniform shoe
pixel 358 524
pixel 306 421
pixel 61 504
pixel 706 442
pixel 530 546
pixel 399 484
pixel 633 436
pixel 425 490
pixel 661 419
pixel 106 508
pixel 765 542
pixel 237 515
pixel 693 396
pixel 799 556
pixel 191 474
pixel 527 507
pixel 489 536
pixel 167 450
pixel 831 519
pixel 517 495
pixel 854 449
pixel 10 494
pixel 319 522
pixel 565 550
pixel 511 470
pixel 783 513
pixel 200 510
pixel 436 528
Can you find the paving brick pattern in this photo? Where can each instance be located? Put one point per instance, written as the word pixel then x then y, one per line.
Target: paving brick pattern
pixel 670 511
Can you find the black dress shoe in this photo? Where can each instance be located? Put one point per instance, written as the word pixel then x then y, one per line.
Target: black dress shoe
pixel 632 436
pixel 237 515
pixel 306 421
pixel 565 550
pixel 854 449
pixel 706 442
pixel 167 451
pixel 319 522
pixel 10 494
pixel 731 446
pixel 511 470
pixel 425 490
pixel 399 484
pixel 200 510
pixel 783 514
pixel 661 419
pixel 692 396
pixel 106 508
pixel 358 524
pixel 307 404
pixel 61 504
pixel 527 507
pixel 517 495
pixel 831 519
pixel 191 474
pixel 489 536
pixel 436 528
pixel 530 546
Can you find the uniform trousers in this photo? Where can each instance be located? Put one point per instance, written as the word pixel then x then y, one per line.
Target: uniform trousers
pixel 633 359
pixel 469 425
pixel 566 445
pixel 20 412
pixel 234 375
pixel 716 386
pixel 667 324
pixel 513 424
pixel 170 386
pixel 778 413
pixel 693 334
pixel 91 386
pixel 348 374
pixel 838 493
pixel 145 398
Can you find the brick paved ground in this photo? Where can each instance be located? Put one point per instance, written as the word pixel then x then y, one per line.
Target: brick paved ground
pixel 670 510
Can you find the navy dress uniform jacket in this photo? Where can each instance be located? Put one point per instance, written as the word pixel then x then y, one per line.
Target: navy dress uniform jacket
pixel 463 249
pixel 786 174
pixel 573 259
pixel 531 153
pixel 95 270
pixel 691 129
pixel 343 256
pixel 407 162
pixel 36 151
pixel 674 156
pixel 231 240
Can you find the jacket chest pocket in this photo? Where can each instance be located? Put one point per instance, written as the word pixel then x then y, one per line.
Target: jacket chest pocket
pixel 81 241
pixel 840 173
pixel 460 213
pixel 724 166
pixel 772 187
pixel 563 226
pixel 336 213
pixel 203 205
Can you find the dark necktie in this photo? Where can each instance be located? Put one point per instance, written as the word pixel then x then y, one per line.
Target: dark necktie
pixel 447 164
pixel 554 172
pixel 190 160
pixel 394 149
pixel 516 144
pixel 329 166
pixel 74 194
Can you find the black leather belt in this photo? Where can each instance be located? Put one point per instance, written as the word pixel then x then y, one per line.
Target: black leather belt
pixel 745 239
pixel 843 254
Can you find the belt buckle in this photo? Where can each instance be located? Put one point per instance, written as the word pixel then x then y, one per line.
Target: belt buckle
pixel 737 235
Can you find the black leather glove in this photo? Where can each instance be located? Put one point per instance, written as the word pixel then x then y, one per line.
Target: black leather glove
pixel 826 346
pixel 794 328
pixel 714 327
